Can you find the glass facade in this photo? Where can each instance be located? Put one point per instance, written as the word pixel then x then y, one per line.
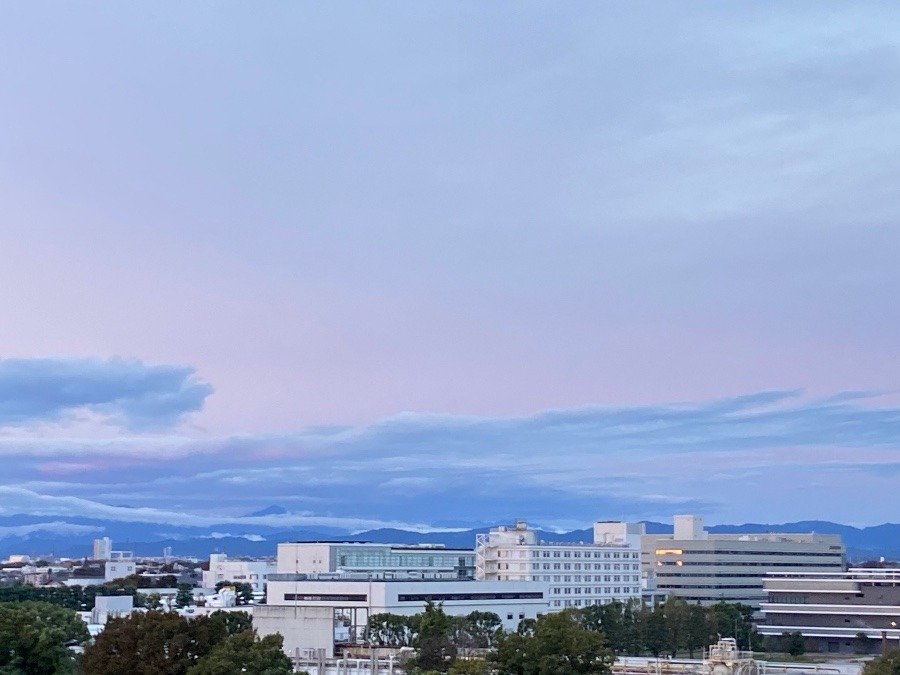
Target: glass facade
pixel 365 558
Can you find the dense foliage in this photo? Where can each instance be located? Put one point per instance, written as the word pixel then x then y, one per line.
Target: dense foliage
pixel 243 591
pixel 166 643
pixel 35 636
pixel 629 628
pixel 244 653
pixel 70 597
pixel 556 644
pixel 886 664
pixel 672 627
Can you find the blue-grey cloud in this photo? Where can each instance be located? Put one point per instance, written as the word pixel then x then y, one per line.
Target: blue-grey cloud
pixel 758 456
pixel 128 392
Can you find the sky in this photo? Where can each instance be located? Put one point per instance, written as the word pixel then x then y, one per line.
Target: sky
pixel 443 264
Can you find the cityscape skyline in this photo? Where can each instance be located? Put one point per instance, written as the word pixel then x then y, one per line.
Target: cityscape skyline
pixel 432 266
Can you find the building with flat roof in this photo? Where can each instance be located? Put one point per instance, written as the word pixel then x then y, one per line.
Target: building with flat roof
pixel 577 574
pixel 857 611
pixel 102 549
pixel 324 613
pixel 432 560
pixel 707 568
pixel 252 572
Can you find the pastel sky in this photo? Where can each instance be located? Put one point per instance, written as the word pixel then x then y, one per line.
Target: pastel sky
pixel 451 263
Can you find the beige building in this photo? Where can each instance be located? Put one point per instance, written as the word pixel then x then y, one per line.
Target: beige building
pixel 707 568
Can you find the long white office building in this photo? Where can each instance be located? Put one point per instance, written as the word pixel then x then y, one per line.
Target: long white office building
pixel 577 574
pixel 318 614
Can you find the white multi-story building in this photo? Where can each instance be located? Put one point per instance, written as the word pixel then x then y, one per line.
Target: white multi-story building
pixel 577 574
pixel 427 560
pixel 707 568
pixel 253 572
pixel 323 593
pixel 318 613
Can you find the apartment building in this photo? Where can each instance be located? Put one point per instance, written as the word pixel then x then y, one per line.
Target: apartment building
pixel 102 549
pixel 577 574
pixel 853 611
pixel 707 568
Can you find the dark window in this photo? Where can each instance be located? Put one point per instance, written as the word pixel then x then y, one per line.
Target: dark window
pixel 325 597
pixel 440 597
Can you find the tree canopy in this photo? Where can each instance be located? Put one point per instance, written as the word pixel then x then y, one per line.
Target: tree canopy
pixel 243 653
pixel 558 645
pixel 886 664
pixel 35 637
pixel 152 643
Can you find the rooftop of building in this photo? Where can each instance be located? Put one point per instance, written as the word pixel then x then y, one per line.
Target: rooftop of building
pixel 405 547
pixel 361 577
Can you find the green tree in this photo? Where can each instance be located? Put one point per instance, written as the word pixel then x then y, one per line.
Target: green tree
pixel 632 642
pixel 242 653
pixel 483 627
pixel 696 635
pixel 559 645
pixel 477 630
pixel 152 643
pixel 389 630
pixel 243 591
pixel 862 644
pixel 470 667
pixel 184 596
pixel 235 622
pixel 732 619
pixel 653 630
pixel 35 636
pixel 613 621
pixel 434 647
pixel 793 643
pixel 886 664
pixel 676 614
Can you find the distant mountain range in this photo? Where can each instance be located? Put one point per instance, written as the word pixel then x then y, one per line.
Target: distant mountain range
pixel 72 536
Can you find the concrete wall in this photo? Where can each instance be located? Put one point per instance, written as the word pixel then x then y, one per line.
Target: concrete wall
pixel 303 628
pixel 304 558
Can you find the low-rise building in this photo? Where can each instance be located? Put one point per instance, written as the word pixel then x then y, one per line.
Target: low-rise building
pixel 119 568
pixel 319 613
pixel 253 572
pixel 854 611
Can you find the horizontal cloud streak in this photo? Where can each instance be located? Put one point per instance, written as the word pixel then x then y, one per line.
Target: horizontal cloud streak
pixel 555 466
pixel 129 393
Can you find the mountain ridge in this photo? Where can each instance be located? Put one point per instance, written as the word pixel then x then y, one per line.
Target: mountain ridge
pixel 72 536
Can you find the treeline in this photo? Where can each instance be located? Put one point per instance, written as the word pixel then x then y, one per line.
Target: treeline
pixel 79 598
pixel 629 628
pixel 146 643
pixel 476 644
pixel 37 638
